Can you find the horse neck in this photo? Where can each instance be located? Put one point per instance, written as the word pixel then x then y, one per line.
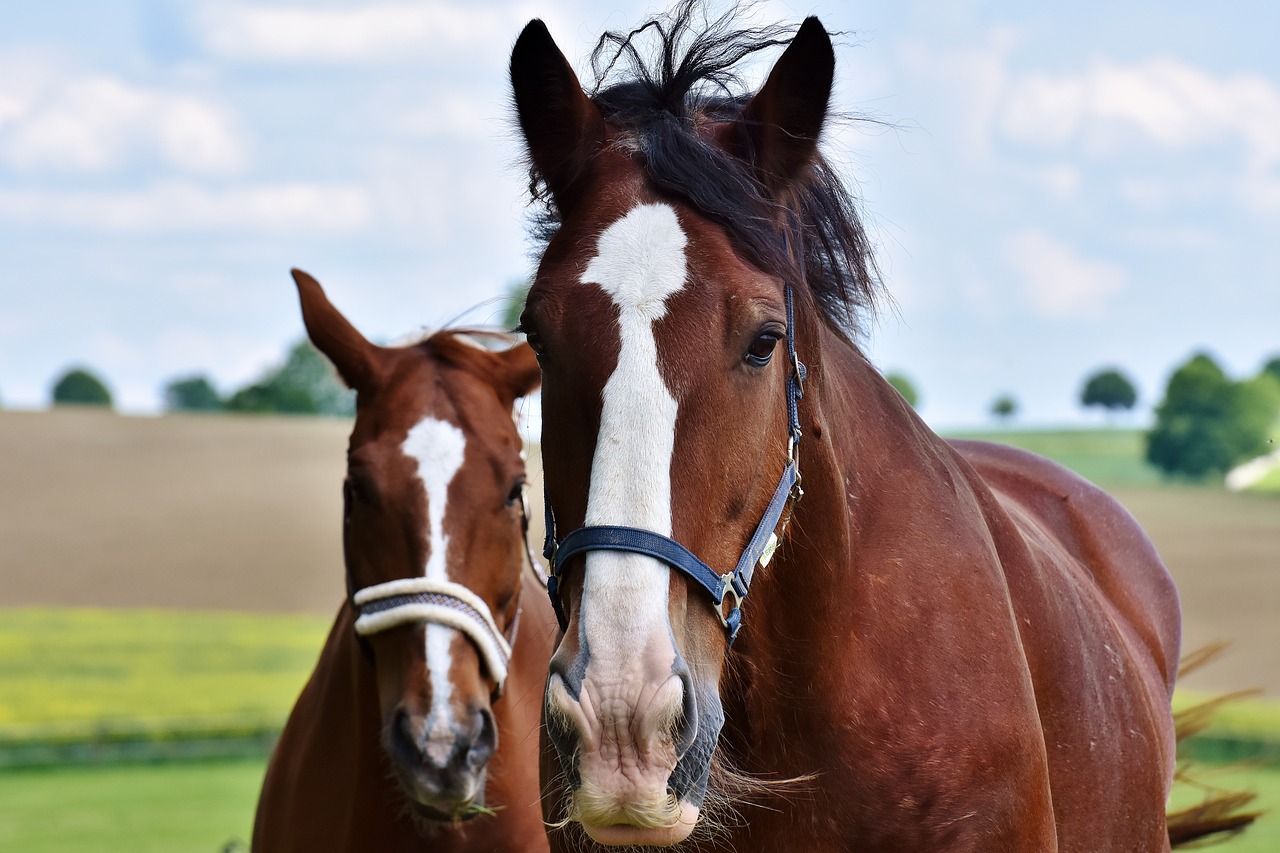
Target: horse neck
pixel 804 601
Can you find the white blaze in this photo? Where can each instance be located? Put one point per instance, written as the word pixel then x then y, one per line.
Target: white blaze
pixel 438 448
pixel 640 262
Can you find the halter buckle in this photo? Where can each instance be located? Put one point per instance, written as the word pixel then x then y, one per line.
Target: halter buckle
pixel 728 590
pixel 800 372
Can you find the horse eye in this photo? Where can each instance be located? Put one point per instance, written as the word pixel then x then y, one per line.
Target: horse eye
pixel 535 343
pixel 761 349
pixel 516 493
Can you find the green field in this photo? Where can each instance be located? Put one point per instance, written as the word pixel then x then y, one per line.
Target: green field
pixel 1270 484
pixel 77 673
pixel 1263 836
pixel 202 806
pixel 143 808
pixel 1109 457
pixel 71 673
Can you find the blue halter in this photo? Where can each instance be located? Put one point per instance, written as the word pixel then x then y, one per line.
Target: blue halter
pixel 760 547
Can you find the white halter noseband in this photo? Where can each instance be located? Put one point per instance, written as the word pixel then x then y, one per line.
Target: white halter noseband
pixel 439 602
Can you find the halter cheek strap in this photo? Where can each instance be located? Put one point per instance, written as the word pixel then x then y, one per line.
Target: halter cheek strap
pixel 440 602
pixel 764 540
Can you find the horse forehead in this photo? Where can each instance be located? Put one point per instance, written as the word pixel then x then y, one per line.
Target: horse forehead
pixel 436 448
pixel 640 260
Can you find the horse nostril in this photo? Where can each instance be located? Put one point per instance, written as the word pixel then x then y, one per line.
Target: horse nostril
pixel 405 743
pixel 485 741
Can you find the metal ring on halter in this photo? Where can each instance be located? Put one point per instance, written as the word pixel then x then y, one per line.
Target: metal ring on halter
pixel 438 602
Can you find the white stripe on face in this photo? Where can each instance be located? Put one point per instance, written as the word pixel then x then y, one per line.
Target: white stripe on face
pixel 640 262
pixel 438 448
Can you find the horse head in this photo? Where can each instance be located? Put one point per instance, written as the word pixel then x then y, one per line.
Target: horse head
pixel 433 541
pixel 661 316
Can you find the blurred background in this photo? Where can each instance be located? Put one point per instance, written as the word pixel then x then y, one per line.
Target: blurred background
pixel 1077 210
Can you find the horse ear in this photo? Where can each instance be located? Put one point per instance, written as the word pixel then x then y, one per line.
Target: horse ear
pixel 520 373
pixel 782 122
pixel 333 334
pixel 561 127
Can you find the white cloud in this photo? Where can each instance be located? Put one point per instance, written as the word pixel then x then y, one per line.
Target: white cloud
pixel 457 115
pixel 1163 103
pixel 95 123
pixel 169 207
pixel 377 32
pixel 1058 282
pixel 976 78
pixel 1060 181
pixel 1262 193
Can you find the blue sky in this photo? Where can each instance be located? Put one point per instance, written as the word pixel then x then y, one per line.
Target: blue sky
pixel 1054 187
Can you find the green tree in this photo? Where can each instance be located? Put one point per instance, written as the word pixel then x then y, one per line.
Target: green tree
pixel 1272 367
pixel 1207 423
pixel 1257 408
pixel 903 386
pixel 305 384
pixel 1109 389
pixel 1004 407
pixel 79 387
pixel 192 394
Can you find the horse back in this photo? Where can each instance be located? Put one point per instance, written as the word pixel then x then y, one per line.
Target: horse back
pixel 1075 519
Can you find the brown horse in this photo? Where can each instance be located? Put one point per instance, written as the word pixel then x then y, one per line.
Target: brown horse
pixel 400 735
pixel 957 646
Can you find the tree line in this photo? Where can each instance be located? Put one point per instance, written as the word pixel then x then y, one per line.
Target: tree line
pixel 305 384
pixel 1206 423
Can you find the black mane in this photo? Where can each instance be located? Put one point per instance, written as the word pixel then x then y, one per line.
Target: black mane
pixel 691 77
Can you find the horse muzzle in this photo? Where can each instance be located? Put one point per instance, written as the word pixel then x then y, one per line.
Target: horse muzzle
pixel 441 763
pixel 635 774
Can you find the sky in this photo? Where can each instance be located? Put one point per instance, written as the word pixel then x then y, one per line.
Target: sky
pixel 1053 188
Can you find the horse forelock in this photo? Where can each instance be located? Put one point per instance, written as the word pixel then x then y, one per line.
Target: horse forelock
pixel 662 88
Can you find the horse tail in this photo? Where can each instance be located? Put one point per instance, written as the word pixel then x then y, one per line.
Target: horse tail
pixel 1220 815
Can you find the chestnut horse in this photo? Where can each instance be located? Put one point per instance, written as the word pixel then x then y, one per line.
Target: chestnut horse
pixel 956 646
pixel 423 709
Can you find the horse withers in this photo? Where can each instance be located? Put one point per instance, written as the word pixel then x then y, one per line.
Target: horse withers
pixel 920 645
pixel 419 727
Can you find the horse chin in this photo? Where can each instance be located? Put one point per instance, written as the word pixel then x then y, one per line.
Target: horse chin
pixel 626 835
pixel 463 802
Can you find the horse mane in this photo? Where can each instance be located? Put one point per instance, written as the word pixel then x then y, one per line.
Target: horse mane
pixel 658 84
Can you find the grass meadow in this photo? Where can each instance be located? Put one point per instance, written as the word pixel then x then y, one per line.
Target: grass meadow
pixel 1112 458
pixel 71 672
pixel 200 807
pixel 204 806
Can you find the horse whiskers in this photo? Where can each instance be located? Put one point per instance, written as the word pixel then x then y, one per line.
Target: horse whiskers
pixel 728 790
pixel 591 805
pixel 559 784
pixel 731 782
